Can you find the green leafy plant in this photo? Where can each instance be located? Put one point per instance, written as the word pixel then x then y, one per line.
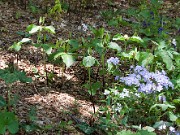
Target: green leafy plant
pixel 8 122
pixel 8 119
pixel 56 10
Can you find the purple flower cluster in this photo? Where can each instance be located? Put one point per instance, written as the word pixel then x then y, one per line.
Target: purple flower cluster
pixel 147 82
pixel 173 131
pixel 113 60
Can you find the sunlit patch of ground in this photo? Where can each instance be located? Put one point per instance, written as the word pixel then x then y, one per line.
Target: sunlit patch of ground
pixel 63 102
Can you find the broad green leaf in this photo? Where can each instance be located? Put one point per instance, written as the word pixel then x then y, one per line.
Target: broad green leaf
pixel 145 132
pixel 98 45
pixel 164 107
pixel 86 128
pixel 94 88
pixel 148 128
pixel 162 45
pixel 160 123
pixel 24 40
pixel 144 13
pixel 74 43
pixel 177 59
pixel 13 127
pixel 35 29
pixel 88 61
pixel 2 128
pixel 126 132
pixel 22 77
pixel 172 117
pixel 50 29
pixel 8 121
pixel 47 48
pixel 2 102
pixel 68 59
pixel 145 58
pixel 166 59
pixel 177 101
pixel 16 46
pixel 136 39
pixel 57 54
pixel 11 77
pixel 178 121
pixel 115 46
pixel 119 37
pixel 99 33
pixel 113 22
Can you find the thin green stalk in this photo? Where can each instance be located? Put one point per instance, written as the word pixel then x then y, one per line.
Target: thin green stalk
pixel 91 96
pixel 103 66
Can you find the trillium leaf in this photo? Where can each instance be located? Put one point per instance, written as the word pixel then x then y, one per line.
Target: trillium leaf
pixel 148 128
pixel 136 39
pixel 68 59
pixel 24 40
pixel 16 46
pixel 119 37
pixel 98 46
pixel 115 46
pixel 74 43
pixel 50 29
pixel 47 48
pixel 88 61
pixel 34 29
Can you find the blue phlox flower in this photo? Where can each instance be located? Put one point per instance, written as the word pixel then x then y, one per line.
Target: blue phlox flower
pixel 138 69
pixel 173 131
pixel 137 94
pixel 162 98
pixel 113 60
pixel 160 30
pixel 116 92
pixel 124 93
pixel 162 80
pixel 159 88
pixel 130 80
pixel 117 78
pixel 145 88
pixel 117 107
pixel 147 82
pixel 106 92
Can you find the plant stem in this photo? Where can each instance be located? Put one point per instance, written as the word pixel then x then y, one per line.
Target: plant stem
pixel 102 59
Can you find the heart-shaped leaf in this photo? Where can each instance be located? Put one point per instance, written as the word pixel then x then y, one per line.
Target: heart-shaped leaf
pixel 115 46
pixel 68 59
pixel 88 61
pixel 50 29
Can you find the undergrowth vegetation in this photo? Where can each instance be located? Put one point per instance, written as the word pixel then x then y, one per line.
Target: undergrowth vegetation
pixel 136 76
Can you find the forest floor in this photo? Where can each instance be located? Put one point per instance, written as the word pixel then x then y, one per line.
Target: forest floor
pixel 64 99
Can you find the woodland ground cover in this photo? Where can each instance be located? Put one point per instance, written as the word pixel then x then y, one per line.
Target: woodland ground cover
pixel 90 67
